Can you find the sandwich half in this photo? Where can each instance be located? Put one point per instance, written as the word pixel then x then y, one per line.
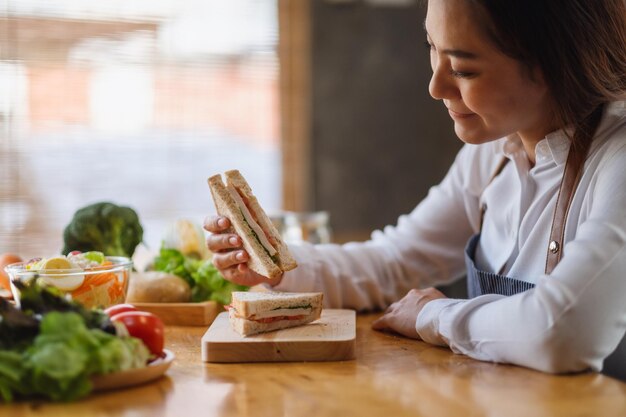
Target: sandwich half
pixel 269 255
pixel 258 312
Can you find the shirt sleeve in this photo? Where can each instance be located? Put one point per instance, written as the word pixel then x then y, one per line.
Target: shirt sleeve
pixel 425 248
pixel 573 319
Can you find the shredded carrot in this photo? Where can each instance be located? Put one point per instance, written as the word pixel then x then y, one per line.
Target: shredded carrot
pixel 115 283
pixel 102 278
pixel 92 281
pixel 115 290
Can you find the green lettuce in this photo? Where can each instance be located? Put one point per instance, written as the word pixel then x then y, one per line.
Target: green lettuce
pixel 12 372
pixel 205 280
pixel 63 357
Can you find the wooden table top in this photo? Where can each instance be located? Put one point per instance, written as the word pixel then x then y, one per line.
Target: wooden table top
pixel 391 377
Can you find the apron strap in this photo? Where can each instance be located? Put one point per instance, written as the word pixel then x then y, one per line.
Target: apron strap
pixel 571 177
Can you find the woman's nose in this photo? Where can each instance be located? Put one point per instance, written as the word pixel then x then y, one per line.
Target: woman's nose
pixel 441 86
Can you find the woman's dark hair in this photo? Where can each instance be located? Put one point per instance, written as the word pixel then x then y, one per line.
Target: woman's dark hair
pixel 578 45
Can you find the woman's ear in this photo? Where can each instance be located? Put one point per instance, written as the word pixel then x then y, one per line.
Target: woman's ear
pixel 536 76
pixel 539 80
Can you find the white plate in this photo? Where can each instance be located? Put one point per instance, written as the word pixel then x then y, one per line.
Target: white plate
pixel 135 376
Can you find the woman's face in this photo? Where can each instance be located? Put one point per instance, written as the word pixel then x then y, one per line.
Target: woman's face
pixel 488 94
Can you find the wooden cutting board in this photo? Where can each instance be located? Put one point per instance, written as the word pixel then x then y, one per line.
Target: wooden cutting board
pixel 331 338
pixel 183 314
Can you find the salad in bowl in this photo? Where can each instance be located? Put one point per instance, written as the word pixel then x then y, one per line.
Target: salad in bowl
pixel 91 278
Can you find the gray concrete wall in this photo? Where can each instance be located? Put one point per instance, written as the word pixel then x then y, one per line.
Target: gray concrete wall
pixel 379 140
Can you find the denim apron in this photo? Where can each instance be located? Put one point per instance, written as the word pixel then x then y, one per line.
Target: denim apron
pixel 481 282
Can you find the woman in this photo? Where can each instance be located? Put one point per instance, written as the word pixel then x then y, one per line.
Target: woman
pixel 533 209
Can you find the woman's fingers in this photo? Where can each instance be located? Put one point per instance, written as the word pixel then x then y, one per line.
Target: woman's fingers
pixel 228 256
pixel 237 273
pixel 401 315
pixel 218 240
pixel 232 274
pixel 380 323
pixel 221 242
pixel 216 224
pixel 226 260
pixel 242 275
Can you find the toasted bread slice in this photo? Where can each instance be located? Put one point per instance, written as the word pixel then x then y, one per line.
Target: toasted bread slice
pixel 260 262
pixel 249 303
pixel 269 255
pixel 286 262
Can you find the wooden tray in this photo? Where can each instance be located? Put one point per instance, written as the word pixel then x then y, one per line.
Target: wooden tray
pixel 331 338
pixel 184 314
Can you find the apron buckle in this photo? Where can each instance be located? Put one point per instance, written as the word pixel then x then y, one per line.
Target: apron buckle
pixel 554 246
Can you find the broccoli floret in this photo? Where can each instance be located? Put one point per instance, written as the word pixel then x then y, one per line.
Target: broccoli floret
pixel 104 227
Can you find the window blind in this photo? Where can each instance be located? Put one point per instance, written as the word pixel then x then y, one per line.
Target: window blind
pixel 133 102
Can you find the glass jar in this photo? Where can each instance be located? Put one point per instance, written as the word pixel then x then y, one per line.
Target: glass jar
pixel 309 227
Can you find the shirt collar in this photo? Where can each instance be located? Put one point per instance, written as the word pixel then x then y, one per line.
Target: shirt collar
pixel 511 146
pixel 554 147
pixel 557 144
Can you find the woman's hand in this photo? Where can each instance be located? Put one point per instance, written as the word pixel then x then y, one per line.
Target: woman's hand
pixel 228 255
pixel 401 315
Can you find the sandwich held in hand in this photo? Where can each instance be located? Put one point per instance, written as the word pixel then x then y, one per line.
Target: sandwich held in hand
pixel 257 312
pixel 269 255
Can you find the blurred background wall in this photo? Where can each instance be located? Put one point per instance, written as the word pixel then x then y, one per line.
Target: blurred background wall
pixel 379 141
pixel 136 102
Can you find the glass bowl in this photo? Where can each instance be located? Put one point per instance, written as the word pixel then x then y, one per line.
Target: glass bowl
pixel 101 286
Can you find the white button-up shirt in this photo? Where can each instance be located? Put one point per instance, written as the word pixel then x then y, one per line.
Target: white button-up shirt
pixel 571 320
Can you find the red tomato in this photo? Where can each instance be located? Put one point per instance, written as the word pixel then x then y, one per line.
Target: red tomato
pixel 145 326
pixel 119 308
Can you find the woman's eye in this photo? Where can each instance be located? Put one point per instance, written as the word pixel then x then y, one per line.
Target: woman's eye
pixel 429 45
pixel 461 74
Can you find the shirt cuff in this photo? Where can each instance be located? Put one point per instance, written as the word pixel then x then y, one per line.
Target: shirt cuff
pixel 427 323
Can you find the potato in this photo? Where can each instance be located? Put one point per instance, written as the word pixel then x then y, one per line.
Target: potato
pixel 157 287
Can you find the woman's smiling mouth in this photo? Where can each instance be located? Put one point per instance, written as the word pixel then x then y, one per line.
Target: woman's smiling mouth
pixel 458 115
